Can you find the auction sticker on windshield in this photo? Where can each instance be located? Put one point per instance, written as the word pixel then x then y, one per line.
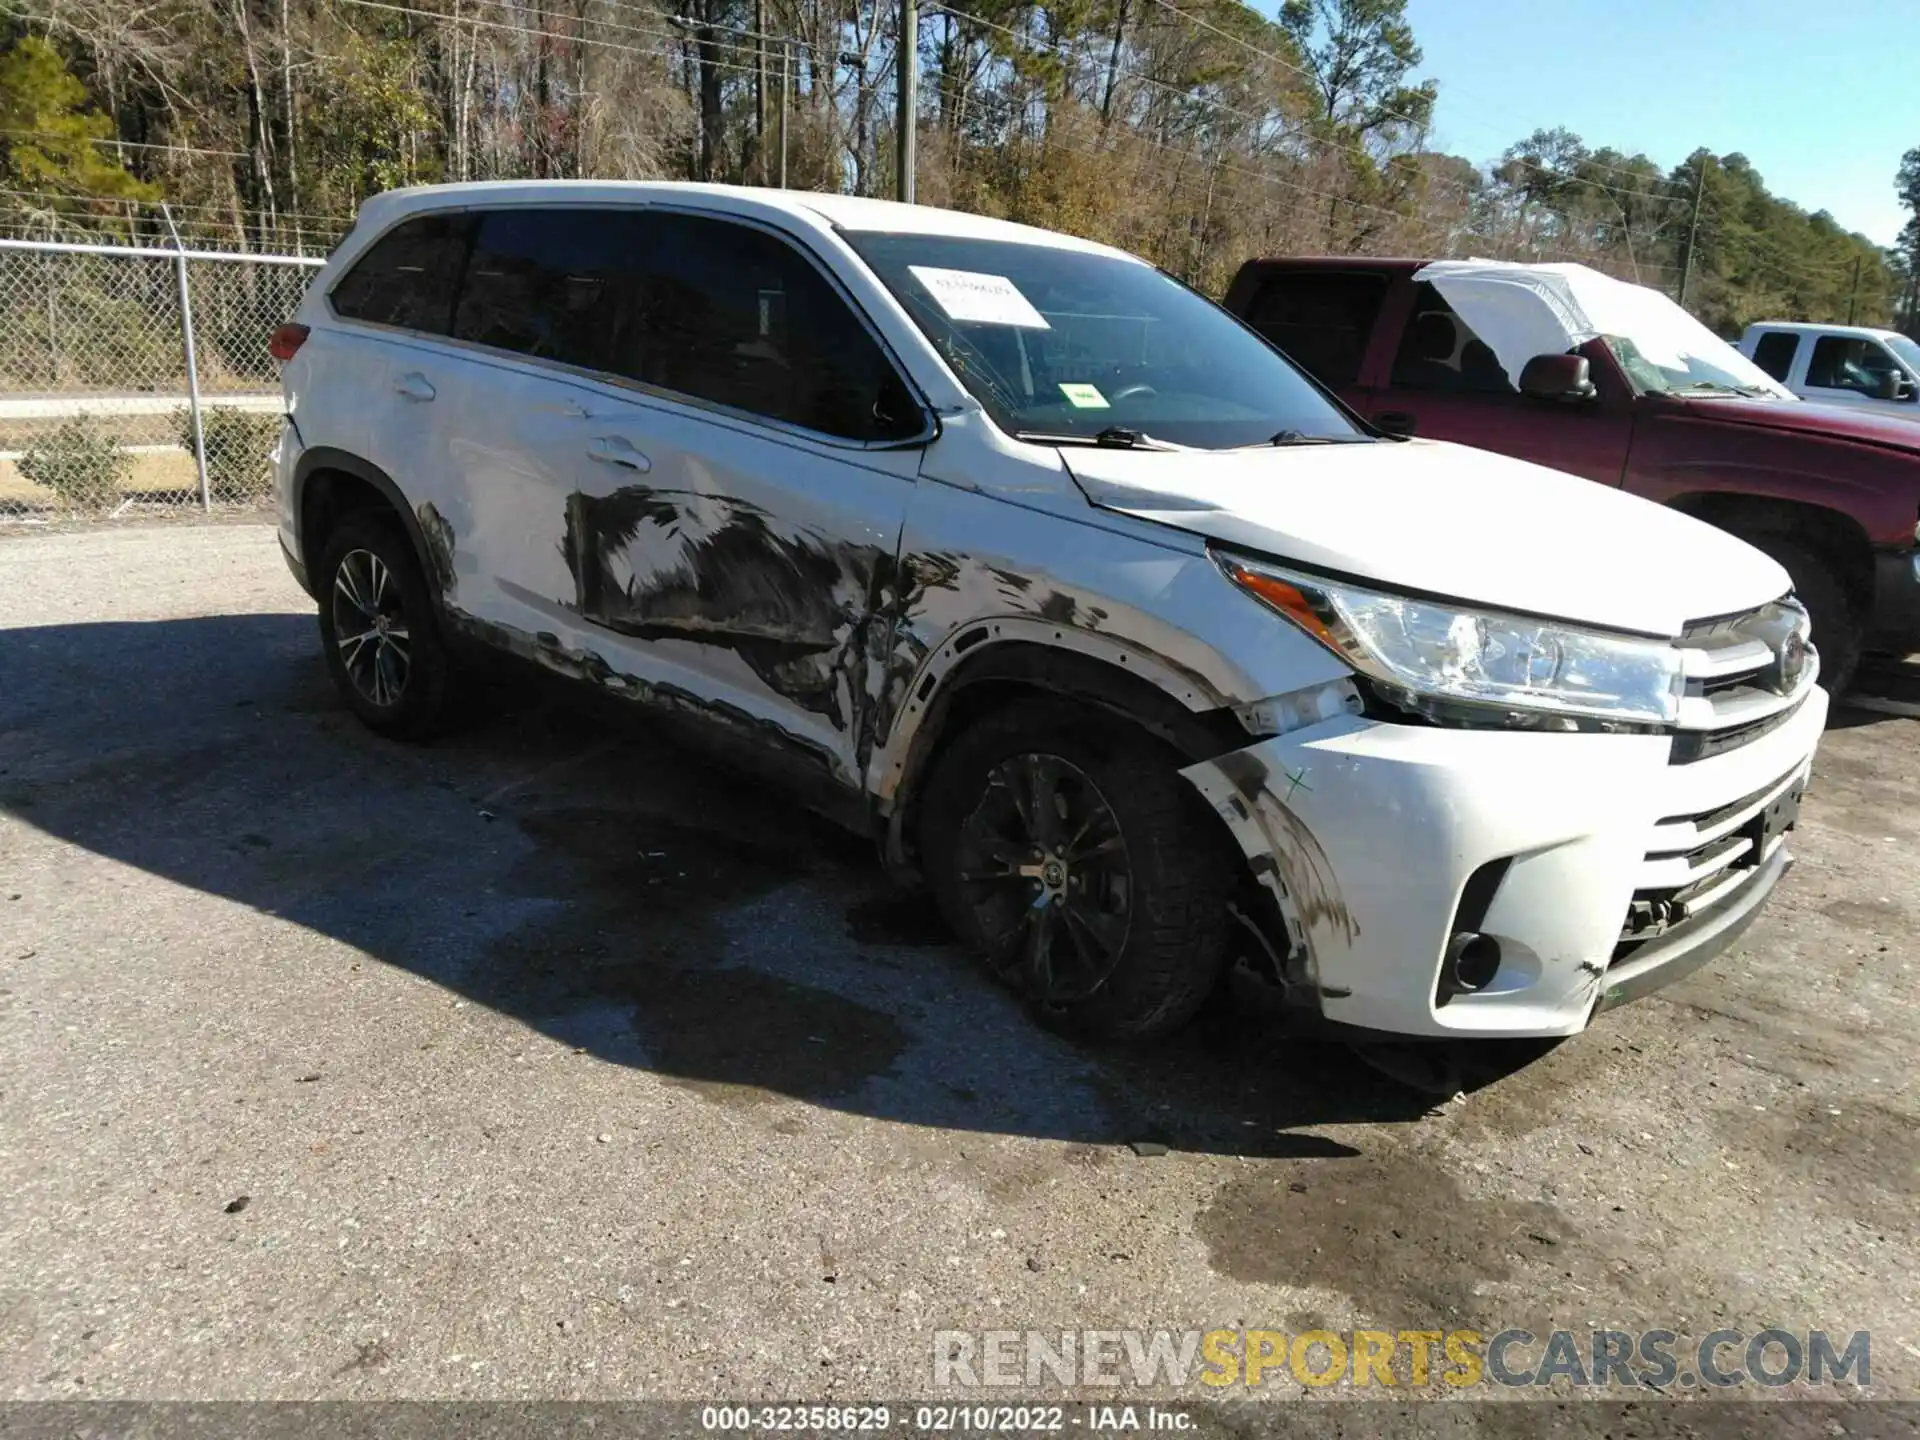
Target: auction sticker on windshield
pixel 979 299
pixel 1084 397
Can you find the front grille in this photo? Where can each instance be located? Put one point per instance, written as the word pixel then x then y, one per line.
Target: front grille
pixel 1745 676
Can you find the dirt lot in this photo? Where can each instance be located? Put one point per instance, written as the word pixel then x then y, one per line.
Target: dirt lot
pixel 549 1061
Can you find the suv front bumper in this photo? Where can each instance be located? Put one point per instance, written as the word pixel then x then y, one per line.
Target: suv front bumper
pixel 1370 833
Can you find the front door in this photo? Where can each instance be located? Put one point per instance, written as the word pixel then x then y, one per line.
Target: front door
pixel 1852 370
pixel 738 507
pixel 1446 384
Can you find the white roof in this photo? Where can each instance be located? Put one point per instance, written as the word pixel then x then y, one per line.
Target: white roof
pixel 1809 327
pixel 819 211
pixel 1521 311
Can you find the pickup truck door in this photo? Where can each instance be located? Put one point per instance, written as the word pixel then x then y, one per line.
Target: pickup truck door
pixel 1849 370
pixel 1445 384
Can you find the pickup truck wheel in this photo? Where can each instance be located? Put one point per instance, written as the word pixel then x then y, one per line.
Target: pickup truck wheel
pixel 1070 857
pixel 380 632
pixel 1837 630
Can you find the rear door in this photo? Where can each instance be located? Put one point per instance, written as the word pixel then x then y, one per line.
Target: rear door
pixel 1774 351
pixel 537 319
pixel 738 505
pixel 393 311
pixel 1323 319
pixel 1446 384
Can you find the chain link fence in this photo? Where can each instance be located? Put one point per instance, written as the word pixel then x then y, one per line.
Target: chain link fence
pixel 137 381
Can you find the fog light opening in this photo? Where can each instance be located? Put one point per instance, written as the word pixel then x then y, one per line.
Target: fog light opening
pixel 1472 961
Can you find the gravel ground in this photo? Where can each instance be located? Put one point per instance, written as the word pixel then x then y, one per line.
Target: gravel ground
pixel 549 1061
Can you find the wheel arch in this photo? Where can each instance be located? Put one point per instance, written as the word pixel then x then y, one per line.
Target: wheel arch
pixel 329 484
pixel 991 664
pixel 1833 534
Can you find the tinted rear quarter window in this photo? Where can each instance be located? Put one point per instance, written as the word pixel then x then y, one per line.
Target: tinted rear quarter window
pixel 1322 320
pixel 550 282
pixel 1774 352
pixel 731 314
pixel 408 277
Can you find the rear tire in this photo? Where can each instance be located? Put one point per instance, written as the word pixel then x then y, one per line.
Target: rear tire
pixel 1838 632
pixel 381 631
pixel 1070 856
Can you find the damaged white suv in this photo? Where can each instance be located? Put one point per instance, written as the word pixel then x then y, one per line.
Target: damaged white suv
pixel 1013 551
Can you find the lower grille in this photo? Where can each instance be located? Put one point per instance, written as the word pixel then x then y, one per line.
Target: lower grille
pixel 1695 861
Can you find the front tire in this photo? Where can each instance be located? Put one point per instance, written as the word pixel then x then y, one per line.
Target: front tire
pixel 1073 860
pixel 380 630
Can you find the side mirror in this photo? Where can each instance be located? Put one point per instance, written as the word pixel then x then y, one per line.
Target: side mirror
pixel 1890 386
pixel 1557 377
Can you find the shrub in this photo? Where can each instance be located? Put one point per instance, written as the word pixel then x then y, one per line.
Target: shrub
pixel 238 443
pixel 79 462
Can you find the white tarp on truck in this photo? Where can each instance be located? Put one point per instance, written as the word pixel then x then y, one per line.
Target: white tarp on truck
pixel 1521 311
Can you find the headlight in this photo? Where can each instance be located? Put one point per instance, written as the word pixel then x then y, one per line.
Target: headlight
pixel 1420 651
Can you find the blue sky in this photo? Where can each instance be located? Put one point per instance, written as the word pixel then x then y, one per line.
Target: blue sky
pixel 1822 98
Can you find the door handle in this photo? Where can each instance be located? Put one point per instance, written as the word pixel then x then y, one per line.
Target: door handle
pixel 1395 422
pixel 414 386
pixel 618 450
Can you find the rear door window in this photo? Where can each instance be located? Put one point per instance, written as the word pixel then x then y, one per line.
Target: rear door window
pixel 1774 352
pixel 730 314
pixel 1439 351
pixel 1322 320
pixel 549 282
pixel 407 279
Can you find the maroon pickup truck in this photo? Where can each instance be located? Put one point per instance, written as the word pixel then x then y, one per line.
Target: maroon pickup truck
pixel 1616 383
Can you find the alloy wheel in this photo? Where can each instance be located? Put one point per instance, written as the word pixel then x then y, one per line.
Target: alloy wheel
pixel 1044 867
pixel 370 628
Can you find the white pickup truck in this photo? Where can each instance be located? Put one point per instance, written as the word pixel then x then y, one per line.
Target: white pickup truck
pixel 1841 364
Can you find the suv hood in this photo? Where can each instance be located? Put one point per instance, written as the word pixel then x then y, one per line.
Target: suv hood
pixel 1450 521
pixel 1856 424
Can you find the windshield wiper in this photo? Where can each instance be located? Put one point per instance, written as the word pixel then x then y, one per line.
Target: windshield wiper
pixel 1114 437
pixel 1296 437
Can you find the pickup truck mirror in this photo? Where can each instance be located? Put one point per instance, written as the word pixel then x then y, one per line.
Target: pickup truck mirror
pixel 1892 385
pixel 1557 377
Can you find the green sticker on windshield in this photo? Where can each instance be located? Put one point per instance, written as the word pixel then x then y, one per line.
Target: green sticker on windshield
pixel 1084 397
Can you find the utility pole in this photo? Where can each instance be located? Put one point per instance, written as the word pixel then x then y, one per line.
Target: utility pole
pixel 907 86
pixel 760 89
pixel 786 72
pixel 1853 295
pixel 1693 229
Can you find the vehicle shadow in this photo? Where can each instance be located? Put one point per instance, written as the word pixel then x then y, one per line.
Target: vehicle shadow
pixel 611 890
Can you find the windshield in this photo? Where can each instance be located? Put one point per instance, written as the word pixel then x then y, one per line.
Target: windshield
pixel 1079 348
pixel 1694 373
pixel 1908 352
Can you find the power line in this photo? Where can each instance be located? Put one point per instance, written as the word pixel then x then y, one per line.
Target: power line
pixel 118 144
pixel 1192 96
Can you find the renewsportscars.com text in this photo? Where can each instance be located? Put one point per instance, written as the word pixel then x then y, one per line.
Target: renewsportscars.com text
pixel 1215 1359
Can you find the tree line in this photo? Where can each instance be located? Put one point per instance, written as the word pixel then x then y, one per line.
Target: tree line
pixel 1196 132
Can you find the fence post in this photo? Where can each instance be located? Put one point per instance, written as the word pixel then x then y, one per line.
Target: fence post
pixel 193 373
pixel 53 324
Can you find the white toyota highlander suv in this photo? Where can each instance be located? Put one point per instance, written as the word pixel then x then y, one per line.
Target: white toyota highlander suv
pixel 1016 553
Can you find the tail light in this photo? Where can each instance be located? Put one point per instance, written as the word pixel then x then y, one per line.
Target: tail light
pixel 286 341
